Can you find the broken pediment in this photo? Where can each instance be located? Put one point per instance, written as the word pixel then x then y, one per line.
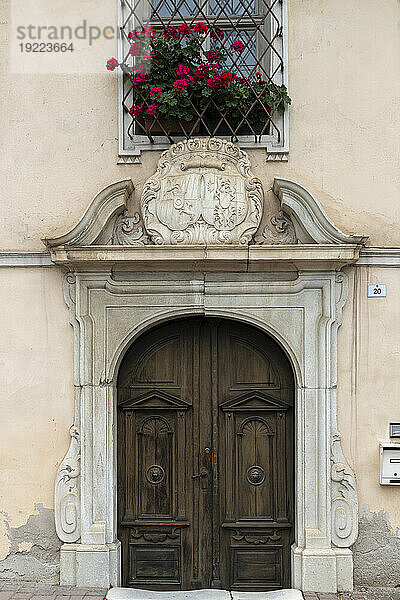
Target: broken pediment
pixel 203 193
pixel 204 200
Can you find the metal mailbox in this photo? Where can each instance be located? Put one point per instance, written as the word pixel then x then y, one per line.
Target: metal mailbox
pixel 390 464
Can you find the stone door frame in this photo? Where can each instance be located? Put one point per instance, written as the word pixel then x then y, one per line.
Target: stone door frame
pixel 302 315
pixel 293 292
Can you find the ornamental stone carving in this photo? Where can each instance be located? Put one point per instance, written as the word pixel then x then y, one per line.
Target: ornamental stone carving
pixel 344 498
pixel 67 492
pixel 128 231
pixel 282 233
pixel 203 192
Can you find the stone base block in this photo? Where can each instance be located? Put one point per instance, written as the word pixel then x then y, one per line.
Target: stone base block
pixel 322 570
pixel 344 569
pixel 89 565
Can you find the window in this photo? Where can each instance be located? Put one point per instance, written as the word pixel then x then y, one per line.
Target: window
pixel 235 84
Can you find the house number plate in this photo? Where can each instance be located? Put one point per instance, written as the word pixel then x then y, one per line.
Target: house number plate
pixel 377 290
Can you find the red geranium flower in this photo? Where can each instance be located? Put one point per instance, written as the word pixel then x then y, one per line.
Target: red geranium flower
pixel 217 33
pixel 214 82
pixel 133 35
pixel 213 56
pixel 148 31
pixel 238 46
pixel 181 83
pixel 140 77
pixel 184 29
pixel 171 33
pixel 200 74
pixel 200 27
pixel 227 76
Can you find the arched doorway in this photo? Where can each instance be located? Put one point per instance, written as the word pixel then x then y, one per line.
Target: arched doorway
pixel 205 458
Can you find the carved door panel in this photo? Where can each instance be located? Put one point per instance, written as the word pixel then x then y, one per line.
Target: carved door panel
pixel 255 396
pixel 204 459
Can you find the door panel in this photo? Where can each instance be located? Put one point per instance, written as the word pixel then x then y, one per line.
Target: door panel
pixel 205 458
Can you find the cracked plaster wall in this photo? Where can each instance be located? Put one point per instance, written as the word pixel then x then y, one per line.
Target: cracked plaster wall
pixel 376 551
pixel 33 552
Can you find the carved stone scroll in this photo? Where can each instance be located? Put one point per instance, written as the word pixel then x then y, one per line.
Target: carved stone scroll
pixel 128 231
pixel 203 192
pixel 283 232
pixel 344 498
pixel 67 492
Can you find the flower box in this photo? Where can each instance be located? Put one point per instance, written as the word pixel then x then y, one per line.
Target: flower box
pixel 162 126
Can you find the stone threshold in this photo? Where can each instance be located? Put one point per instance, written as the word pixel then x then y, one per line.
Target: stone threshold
pixel 120 593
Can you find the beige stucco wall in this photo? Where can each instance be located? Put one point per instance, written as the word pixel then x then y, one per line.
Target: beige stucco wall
pixel 36 392
pixel 60 130
pixel 369 383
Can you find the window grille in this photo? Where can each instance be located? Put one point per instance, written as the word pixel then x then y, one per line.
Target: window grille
pixel 249 35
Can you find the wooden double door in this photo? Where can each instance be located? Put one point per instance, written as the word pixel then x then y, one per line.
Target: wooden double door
pixel 205 458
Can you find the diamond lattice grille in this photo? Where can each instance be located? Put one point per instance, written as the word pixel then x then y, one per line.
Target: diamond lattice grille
pixel 203 67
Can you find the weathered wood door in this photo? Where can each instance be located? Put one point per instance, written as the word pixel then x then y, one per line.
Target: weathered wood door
pixel 205 458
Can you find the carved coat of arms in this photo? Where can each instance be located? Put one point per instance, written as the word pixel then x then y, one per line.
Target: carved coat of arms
pixel 203 192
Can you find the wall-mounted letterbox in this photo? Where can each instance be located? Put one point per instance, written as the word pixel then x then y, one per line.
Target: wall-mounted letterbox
pixel 390 464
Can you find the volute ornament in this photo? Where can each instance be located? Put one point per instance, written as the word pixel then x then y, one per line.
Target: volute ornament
pixel 282 231
pixel 344 497
pixel 67 492
pixel 203 192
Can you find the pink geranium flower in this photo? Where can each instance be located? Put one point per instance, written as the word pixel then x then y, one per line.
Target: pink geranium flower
pixel 182 70
pixel 151 109
pixel 140 77
pixel 155 91
pixel 148 31
pixel 148 54
pixel 200 27
pixel 134 49
pixel 213 56
pixel 135 110
pixel 112 64
pixel 238 46
pixel 181 83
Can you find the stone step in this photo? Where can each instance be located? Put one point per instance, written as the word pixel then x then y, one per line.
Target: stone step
pixel 120 593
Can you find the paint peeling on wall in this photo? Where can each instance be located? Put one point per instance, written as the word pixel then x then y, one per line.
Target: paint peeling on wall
pixel 34 549
pixel 376 551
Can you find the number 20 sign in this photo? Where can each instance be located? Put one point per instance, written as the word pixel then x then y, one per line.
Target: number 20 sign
pixel 377 290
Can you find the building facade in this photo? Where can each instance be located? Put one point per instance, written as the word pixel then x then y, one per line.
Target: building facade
pixel 201 380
